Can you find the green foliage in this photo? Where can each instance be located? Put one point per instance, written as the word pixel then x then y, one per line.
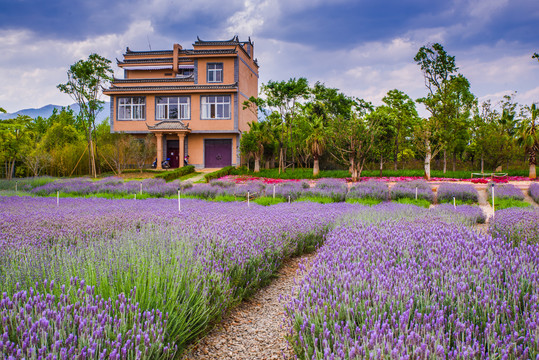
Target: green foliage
pixel 219 173
pixel 268 200
pixel 175 174
pixel 419 202
pixel 364 201
pixel 316 199
pixel 504 203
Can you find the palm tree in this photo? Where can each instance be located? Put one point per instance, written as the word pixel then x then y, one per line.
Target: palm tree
pixel 316 141
pixel 529 138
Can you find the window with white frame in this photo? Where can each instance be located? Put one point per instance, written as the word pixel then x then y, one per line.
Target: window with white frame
pixel 131 108
pixel 215 107
pixel 173 108
pixel 215 72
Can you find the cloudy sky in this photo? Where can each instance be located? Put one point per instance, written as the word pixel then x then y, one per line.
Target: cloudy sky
pixel 363 47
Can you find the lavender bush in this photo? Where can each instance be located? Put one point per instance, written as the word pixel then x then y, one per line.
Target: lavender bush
pixel 504 191
pixel 516 225
pixel 41 325
pixel 463 192
pixel 334 189
pixel 192 266
pixel 292 189
pixel 416 290
pixel 408 190
pixel 112 185
pixel 533 191
pixel 370 189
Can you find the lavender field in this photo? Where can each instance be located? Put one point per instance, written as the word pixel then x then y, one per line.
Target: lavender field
pixel 421 289
pixel 93 270
pixel 97 278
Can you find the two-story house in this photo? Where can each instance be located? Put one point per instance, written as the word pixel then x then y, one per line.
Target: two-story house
pixel 191 99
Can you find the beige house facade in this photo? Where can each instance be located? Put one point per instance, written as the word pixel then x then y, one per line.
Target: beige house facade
pixel 191 99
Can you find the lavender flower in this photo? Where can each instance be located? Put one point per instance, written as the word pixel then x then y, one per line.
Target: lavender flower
pixel 408 190
pixel 462 192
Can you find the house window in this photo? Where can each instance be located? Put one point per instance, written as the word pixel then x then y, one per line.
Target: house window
pixel 215 107
pixel 131 108
pixel 173 108
pixel 215 72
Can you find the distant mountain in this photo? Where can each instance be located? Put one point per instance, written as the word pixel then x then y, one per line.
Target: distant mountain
pixel 46 111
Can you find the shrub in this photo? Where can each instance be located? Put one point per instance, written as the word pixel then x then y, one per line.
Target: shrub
pixel 175 174
pixel 408 190
pixel 464 192
pixel 534 192
pixel 219 173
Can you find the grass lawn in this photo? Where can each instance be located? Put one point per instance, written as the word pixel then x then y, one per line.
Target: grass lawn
pixel 308 173
pixel 508 203
pixel 419 202
pixel 364 201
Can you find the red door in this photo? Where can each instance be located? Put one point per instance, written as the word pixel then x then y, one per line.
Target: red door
pixel 217 153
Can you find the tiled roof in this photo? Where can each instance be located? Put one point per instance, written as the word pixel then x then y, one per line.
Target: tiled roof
pixel 208 52
pixel 233 41
pixel 169 125
pixel 151 61
pixel 158 80
pixel 168 88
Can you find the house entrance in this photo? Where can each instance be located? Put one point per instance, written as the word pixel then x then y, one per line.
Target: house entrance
pixel 173 153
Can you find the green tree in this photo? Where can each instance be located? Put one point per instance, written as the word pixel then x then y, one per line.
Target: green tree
pixel 15 141
pixel 282 98
pixel 2 110
pixel 352 138
pixel 316 141
pixel 529 138
pixel 385 134
pixel 404 115
pixel 86 80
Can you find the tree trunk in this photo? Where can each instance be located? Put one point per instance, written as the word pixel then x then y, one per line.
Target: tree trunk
pixel 396 153
pixel 533 161
pixel 267 164
pixel 281 168
pixel 428 157
pixel 454 161
pixel 533 174
pixel 482 163
pixel 445 161
pixel 257 163
pixel 353 169
pixel 316 167
pixel 92 156
pixel 381 164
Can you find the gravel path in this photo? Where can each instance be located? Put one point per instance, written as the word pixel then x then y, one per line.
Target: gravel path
pixel 253 330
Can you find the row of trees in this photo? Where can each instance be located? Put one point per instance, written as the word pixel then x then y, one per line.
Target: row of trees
pixel 302 124
pixel 67 143
pixel 59 146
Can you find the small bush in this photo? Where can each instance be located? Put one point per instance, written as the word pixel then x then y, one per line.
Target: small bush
pixel 219 173
pixel 364 201
pixel 175 174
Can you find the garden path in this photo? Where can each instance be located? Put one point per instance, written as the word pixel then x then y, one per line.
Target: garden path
pixel 528 199
pixel 254 329
pixel 484 204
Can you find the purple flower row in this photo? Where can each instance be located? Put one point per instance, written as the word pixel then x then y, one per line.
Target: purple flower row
pixel 462 192
pixel 516 225
pixel 369 189
pixel 533 190
pixel 112 185
pixel 412 189
pixel 79 324
pixel 417 290
pixel 504 191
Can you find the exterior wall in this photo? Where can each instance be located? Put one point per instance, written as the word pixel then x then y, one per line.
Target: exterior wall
pixel 248 86
pixel 195 123
pixel 228 70
pixel 196 147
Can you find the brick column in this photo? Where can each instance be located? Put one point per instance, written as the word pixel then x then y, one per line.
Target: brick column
pixel 159 150
pixel 181 137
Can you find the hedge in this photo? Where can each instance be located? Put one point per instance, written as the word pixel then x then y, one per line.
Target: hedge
pixel 175 174
pixel 219 173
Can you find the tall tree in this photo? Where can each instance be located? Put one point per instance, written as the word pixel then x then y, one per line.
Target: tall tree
pixel 86 81
pixel 282 99
pixel 404 115
pixel 15 140
pixel 528 137
pixel 351 139
pixel 437 67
